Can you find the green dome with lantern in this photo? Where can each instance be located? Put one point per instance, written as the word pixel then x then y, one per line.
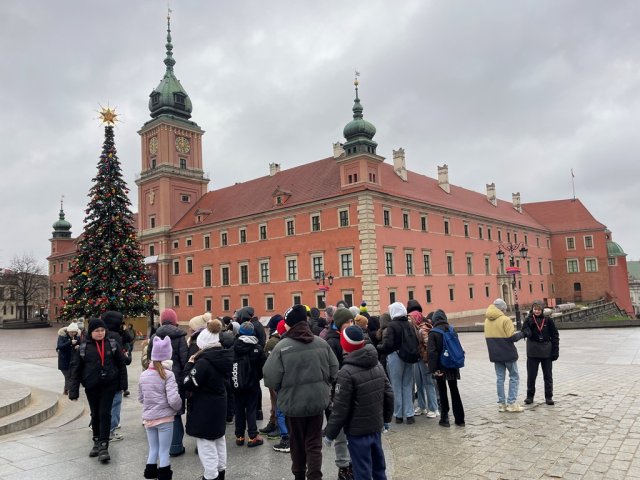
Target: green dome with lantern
pixel 169 98
pixel 61 228
pixel 615 250
pixel 359 132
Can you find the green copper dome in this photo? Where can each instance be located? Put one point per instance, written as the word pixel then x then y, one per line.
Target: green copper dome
pixel 169 98
pixel 359 132
pixel 61 228
pixel 615 250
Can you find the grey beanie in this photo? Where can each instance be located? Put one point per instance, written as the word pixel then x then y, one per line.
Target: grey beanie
pixel 500 304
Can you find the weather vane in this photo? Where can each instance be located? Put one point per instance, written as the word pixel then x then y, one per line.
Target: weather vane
pixel 108 115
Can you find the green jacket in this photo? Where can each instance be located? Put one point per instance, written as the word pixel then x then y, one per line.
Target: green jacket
pixel 301 368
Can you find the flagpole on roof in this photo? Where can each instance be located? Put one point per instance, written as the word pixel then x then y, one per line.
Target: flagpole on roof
pixel 573 185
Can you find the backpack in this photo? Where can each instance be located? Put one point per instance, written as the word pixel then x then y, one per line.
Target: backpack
pixel 408 351
pixel 241 376
pixel 112 343
pixel 452 355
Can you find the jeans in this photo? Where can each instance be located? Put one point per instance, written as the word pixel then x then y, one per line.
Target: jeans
pixel 425 383
pixel 178 434
pixel 159 440
pixel 401 378
pixel 514 380
pixel 282 424
pixel 115 410
pixel 368 456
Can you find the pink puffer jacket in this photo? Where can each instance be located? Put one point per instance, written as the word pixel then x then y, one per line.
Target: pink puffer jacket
pixel 159 398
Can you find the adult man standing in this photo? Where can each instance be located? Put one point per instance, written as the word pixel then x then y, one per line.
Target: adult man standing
pixel 500 335
pixel 301 368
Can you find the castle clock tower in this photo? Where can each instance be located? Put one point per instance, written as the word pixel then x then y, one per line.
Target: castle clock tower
pixel 171 180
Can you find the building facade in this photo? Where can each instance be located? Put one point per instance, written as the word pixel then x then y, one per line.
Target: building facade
pixel 350 226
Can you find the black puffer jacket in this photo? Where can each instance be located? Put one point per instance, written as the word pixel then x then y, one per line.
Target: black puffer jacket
pixel 333 339
pixel 543 339
pixel 363 398
pixel 180 354
pixel 87 368
pixel 207 404
pixel 248 346
pixel 393 336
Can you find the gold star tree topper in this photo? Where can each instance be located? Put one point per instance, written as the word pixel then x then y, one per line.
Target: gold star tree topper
pixel 108 115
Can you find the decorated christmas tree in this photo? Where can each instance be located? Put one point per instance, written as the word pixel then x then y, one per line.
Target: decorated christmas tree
pixel 108 272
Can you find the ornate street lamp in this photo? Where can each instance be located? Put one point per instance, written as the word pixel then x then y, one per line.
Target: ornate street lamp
pixel 513 249
pixel 321 276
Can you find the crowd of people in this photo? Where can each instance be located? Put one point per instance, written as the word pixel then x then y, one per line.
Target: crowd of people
pixel 334 381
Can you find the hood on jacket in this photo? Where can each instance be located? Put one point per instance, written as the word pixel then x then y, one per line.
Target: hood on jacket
pixel 245 344
pixel 62 332
pixel 219 358
pixel 170 331
pixel 439 317
pixel 301 332
pixel 493 313
pixel 365 357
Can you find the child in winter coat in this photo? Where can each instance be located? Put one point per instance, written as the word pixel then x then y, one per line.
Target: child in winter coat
pixel 248 359
pixel 357 408
pixel 68 342
pixel 158 393
pixel 207 371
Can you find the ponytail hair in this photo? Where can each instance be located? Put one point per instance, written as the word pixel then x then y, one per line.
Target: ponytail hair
pixel 160 369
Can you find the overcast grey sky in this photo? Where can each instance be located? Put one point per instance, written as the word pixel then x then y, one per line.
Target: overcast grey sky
pixel 516 93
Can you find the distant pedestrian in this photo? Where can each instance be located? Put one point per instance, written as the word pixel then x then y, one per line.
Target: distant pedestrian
pixel 158 393
pixel 543 348
pixel 303 393
pixel 68 342
pixel 357 406
pixel 444 376
pixel 425 385
pixel 207 371
pixel 500 335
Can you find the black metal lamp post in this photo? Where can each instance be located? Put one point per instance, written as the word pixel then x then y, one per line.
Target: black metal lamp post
pixel 321 276
pixel 513 249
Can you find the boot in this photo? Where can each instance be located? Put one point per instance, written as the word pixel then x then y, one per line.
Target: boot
pixel 151 470
pixel 103 452
pixel 165 473
pixel 444 421
pixel 96 448
pixel 221 475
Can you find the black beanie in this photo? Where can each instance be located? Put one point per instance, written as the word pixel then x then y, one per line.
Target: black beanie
pixel 296 314
pixel 413 305
pixel 112 320
pixel 273 322
pixel 95 323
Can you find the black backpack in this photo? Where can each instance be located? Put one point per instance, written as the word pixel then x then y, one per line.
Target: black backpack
pixel 409 351
pixel 242 378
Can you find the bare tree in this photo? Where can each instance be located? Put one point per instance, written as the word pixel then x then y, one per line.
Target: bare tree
pixel 30 282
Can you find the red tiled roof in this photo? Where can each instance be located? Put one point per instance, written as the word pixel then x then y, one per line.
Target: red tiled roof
pixel 321 180
pixel 563 215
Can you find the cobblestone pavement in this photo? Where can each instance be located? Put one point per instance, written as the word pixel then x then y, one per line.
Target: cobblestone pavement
pixel 592 432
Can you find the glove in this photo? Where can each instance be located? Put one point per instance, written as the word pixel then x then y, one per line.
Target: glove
pixel 327 441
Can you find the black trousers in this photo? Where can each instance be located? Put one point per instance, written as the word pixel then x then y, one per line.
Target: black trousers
pixel 246 404
pixel 100 401
pixel 547 375
pixel 305 437
pixel 456 401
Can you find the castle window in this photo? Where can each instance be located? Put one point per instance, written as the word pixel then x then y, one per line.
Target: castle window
pixel 244 274
pixel 190 299
pixel 315 223
pixel 155 98
pixel 153 163
pixel 386 217
pixel 226 304
pixel 269 303
pixel 243 235
pixel 291 227
pixel 185 198
pixel 179 98
pixel 207 277
pixel 224 276
pixel 183 163
pixel 405 221
pixel 152 221
pixel 152 250
pixel 344 218
pixel 263 232
pixel 224 240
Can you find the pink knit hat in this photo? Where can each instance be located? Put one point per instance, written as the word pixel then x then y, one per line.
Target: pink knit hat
pixel 168 316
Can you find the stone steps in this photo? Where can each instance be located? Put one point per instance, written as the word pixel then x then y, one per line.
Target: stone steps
pixel 23 407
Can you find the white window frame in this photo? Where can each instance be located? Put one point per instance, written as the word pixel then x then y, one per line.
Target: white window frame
pixel 573 261
pixel 586 264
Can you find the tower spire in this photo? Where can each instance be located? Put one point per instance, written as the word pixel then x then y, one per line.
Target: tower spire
pixel 169 60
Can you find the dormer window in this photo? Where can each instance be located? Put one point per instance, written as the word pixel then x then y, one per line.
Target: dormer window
pixel 179 98
pixel 155 98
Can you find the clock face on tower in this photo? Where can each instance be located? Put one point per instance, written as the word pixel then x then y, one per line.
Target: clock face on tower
pixel 153 145
pixel 182 145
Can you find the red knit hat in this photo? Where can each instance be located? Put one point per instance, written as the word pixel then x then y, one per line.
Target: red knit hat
pixel 281 328
pixel 168 316
pixel 352 339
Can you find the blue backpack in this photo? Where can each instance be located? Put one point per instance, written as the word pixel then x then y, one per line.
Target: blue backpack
pixel 452 355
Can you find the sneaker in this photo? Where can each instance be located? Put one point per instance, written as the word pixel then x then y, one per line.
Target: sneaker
pixel 126 393
pixel 411 420
pixel 514 408
pixel 418 411
pixel 255 441
pixel 117 427
pixel 398 419
pixel 444 423
pixel 283 446
pixel 274 435
pixel 502 407
pixel 239 441
pixel 528 400
pixel 432 413
pixel 115 437
pixel 460 424
pixel 345 473
pixel 269 428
